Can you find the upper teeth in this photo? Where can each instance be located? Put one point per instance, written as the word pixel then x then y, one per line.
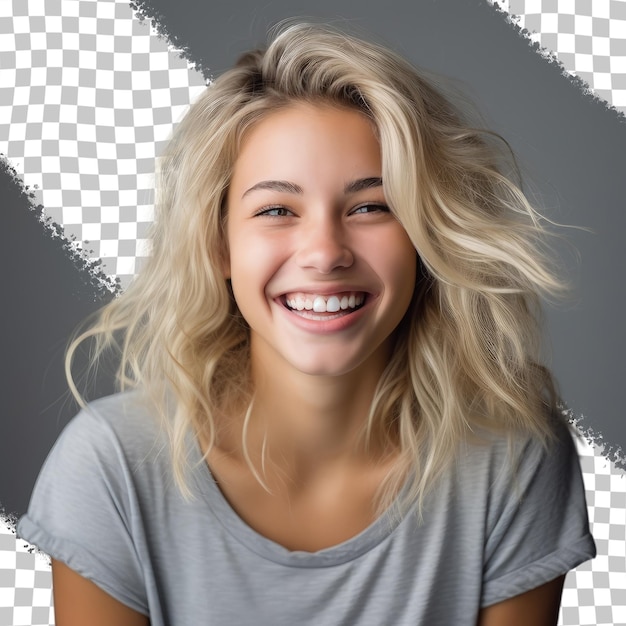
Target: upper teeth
pixel 324 304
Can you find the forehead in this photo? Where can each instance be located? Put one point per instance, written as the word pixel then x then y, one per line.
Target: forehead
pixel 305 140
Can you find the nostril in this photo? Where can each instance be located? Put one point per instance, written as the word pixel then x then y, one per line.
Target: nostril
pixel 325 256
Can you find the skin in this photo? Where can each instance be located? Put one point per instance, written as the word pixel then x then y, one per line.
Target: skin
pixel 320 226
pixel 78 601
pixel 315 235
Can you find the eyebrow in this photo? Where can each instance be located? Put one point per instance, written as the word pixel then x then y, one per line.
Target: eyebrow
pixel 363 183
pixel 285 186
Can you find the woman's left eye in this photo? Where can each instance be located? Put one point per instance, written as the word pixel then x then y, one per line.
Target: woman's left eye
pixel 273 211
pixel 371 208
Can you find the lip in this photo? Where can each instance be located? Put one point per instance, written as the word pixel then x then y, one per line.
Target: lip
pixel 324 290
pixel 332 324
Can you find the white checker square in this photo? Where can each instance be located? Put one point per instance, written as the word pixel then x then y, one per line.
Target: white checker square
pixel 108 248
pixel 42 597
pixel 109 182
pixel 106 150
pixel 601 46
pixel 21 23
pixel 617 29
pixel 550 23
pixel 71 41
pixel 583 24
pixel 105 10
pixel 110 215
pixel 24 578
pixel 91 197
pixel 71 75
pixel 122 99
pixel 72 215
pixel 54 58
pixel 54 23
pixel 7 594
pixel 54 198
pixel 602 499
pixel 140 45
pixel 72 181
pixel 128 230
pixel 145 213
pixel 618 65
pixel 122 28
pixel 141 81
pixel 124 135
pixel 91 232
pixel 602 597
pixel 7 44
pixel 128 197
pixel 50 164
pixel 584 63
pixel 126 265
pixel 38 41
pixel 567 43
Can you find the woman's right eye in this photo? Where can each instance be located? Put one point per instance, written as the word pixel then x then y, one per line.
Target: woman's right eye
pixel 273 211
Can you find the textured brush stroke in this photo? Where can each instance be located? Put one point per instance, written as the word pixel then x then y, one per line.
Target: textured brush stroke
pixel 613 452
pixel 143 12
pixel 89 268
pixel 58 287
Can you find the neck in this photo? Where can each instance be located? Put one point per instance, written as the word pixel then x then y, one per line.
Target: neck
pixel 308 424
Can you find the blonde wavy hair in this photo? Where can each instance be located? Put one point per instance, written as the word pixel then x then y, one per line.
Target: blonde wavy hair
pixel 466 354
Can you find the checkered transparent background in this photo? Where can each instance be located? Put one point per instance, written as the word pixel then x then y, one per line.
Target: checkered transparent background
pixel 88 95
pixel 587 37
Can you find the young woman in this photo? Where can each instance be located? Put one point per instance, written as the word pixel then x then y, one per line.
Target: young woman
pixel 332 407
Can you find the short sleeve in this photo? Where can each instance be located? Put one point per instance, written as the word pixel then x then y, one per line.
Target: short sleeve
pixel 83 509
pixel 537 522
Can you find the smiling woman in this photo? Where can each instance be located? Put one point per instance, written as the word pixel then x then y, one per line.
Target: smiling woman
pixel 308 229
pixel 332 409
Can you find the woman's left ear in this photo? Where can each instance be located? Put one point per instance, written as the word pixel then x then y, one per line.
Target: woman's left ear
pixel 226 271
pixel 224 254
pixel 225 264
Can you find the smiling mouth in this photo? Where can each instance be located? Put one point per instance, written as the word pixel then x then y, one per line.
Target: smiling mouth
pixel 317 306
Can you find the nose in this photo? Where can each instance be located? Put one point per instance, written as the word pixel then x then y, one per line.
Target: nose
pixel 324 247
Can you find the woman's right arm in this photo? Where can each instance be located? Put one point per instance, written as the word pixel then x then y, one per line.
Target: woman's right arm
pixel 78 601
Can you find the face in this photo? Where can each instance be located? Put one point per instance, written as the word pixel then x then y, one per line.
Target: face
pixel 320 268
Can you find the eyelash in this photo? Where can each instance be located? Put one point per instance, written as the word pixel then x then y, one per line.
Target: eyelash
pixel 379 207
pixel 266 211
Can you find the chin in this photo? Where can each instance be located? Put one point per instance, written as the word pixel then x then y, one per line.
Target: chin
pixel 323 368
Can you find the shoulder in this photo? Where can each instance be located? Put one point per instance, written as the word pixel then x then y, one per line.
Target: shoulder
pixel 85 509
pixel 534 507
pixel 121 424
pixel 127 414
pixel 522 475
pixel 517 457
pixel 112 450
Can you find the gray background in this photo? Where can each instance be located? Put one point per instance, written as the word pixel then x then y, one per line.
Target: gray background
pixel 571 147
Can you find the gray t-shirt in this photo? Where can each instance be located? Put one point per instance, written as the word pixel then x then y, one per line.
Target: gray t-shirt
pixel 105 504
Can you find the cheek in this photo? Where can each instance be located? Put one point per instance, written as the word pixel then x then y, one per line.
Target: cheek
pixel 253 264
pixel 402 266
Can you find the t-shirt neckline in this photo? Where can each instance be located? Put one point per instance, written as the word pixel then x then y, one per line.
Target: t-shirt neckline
pixel 348 550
